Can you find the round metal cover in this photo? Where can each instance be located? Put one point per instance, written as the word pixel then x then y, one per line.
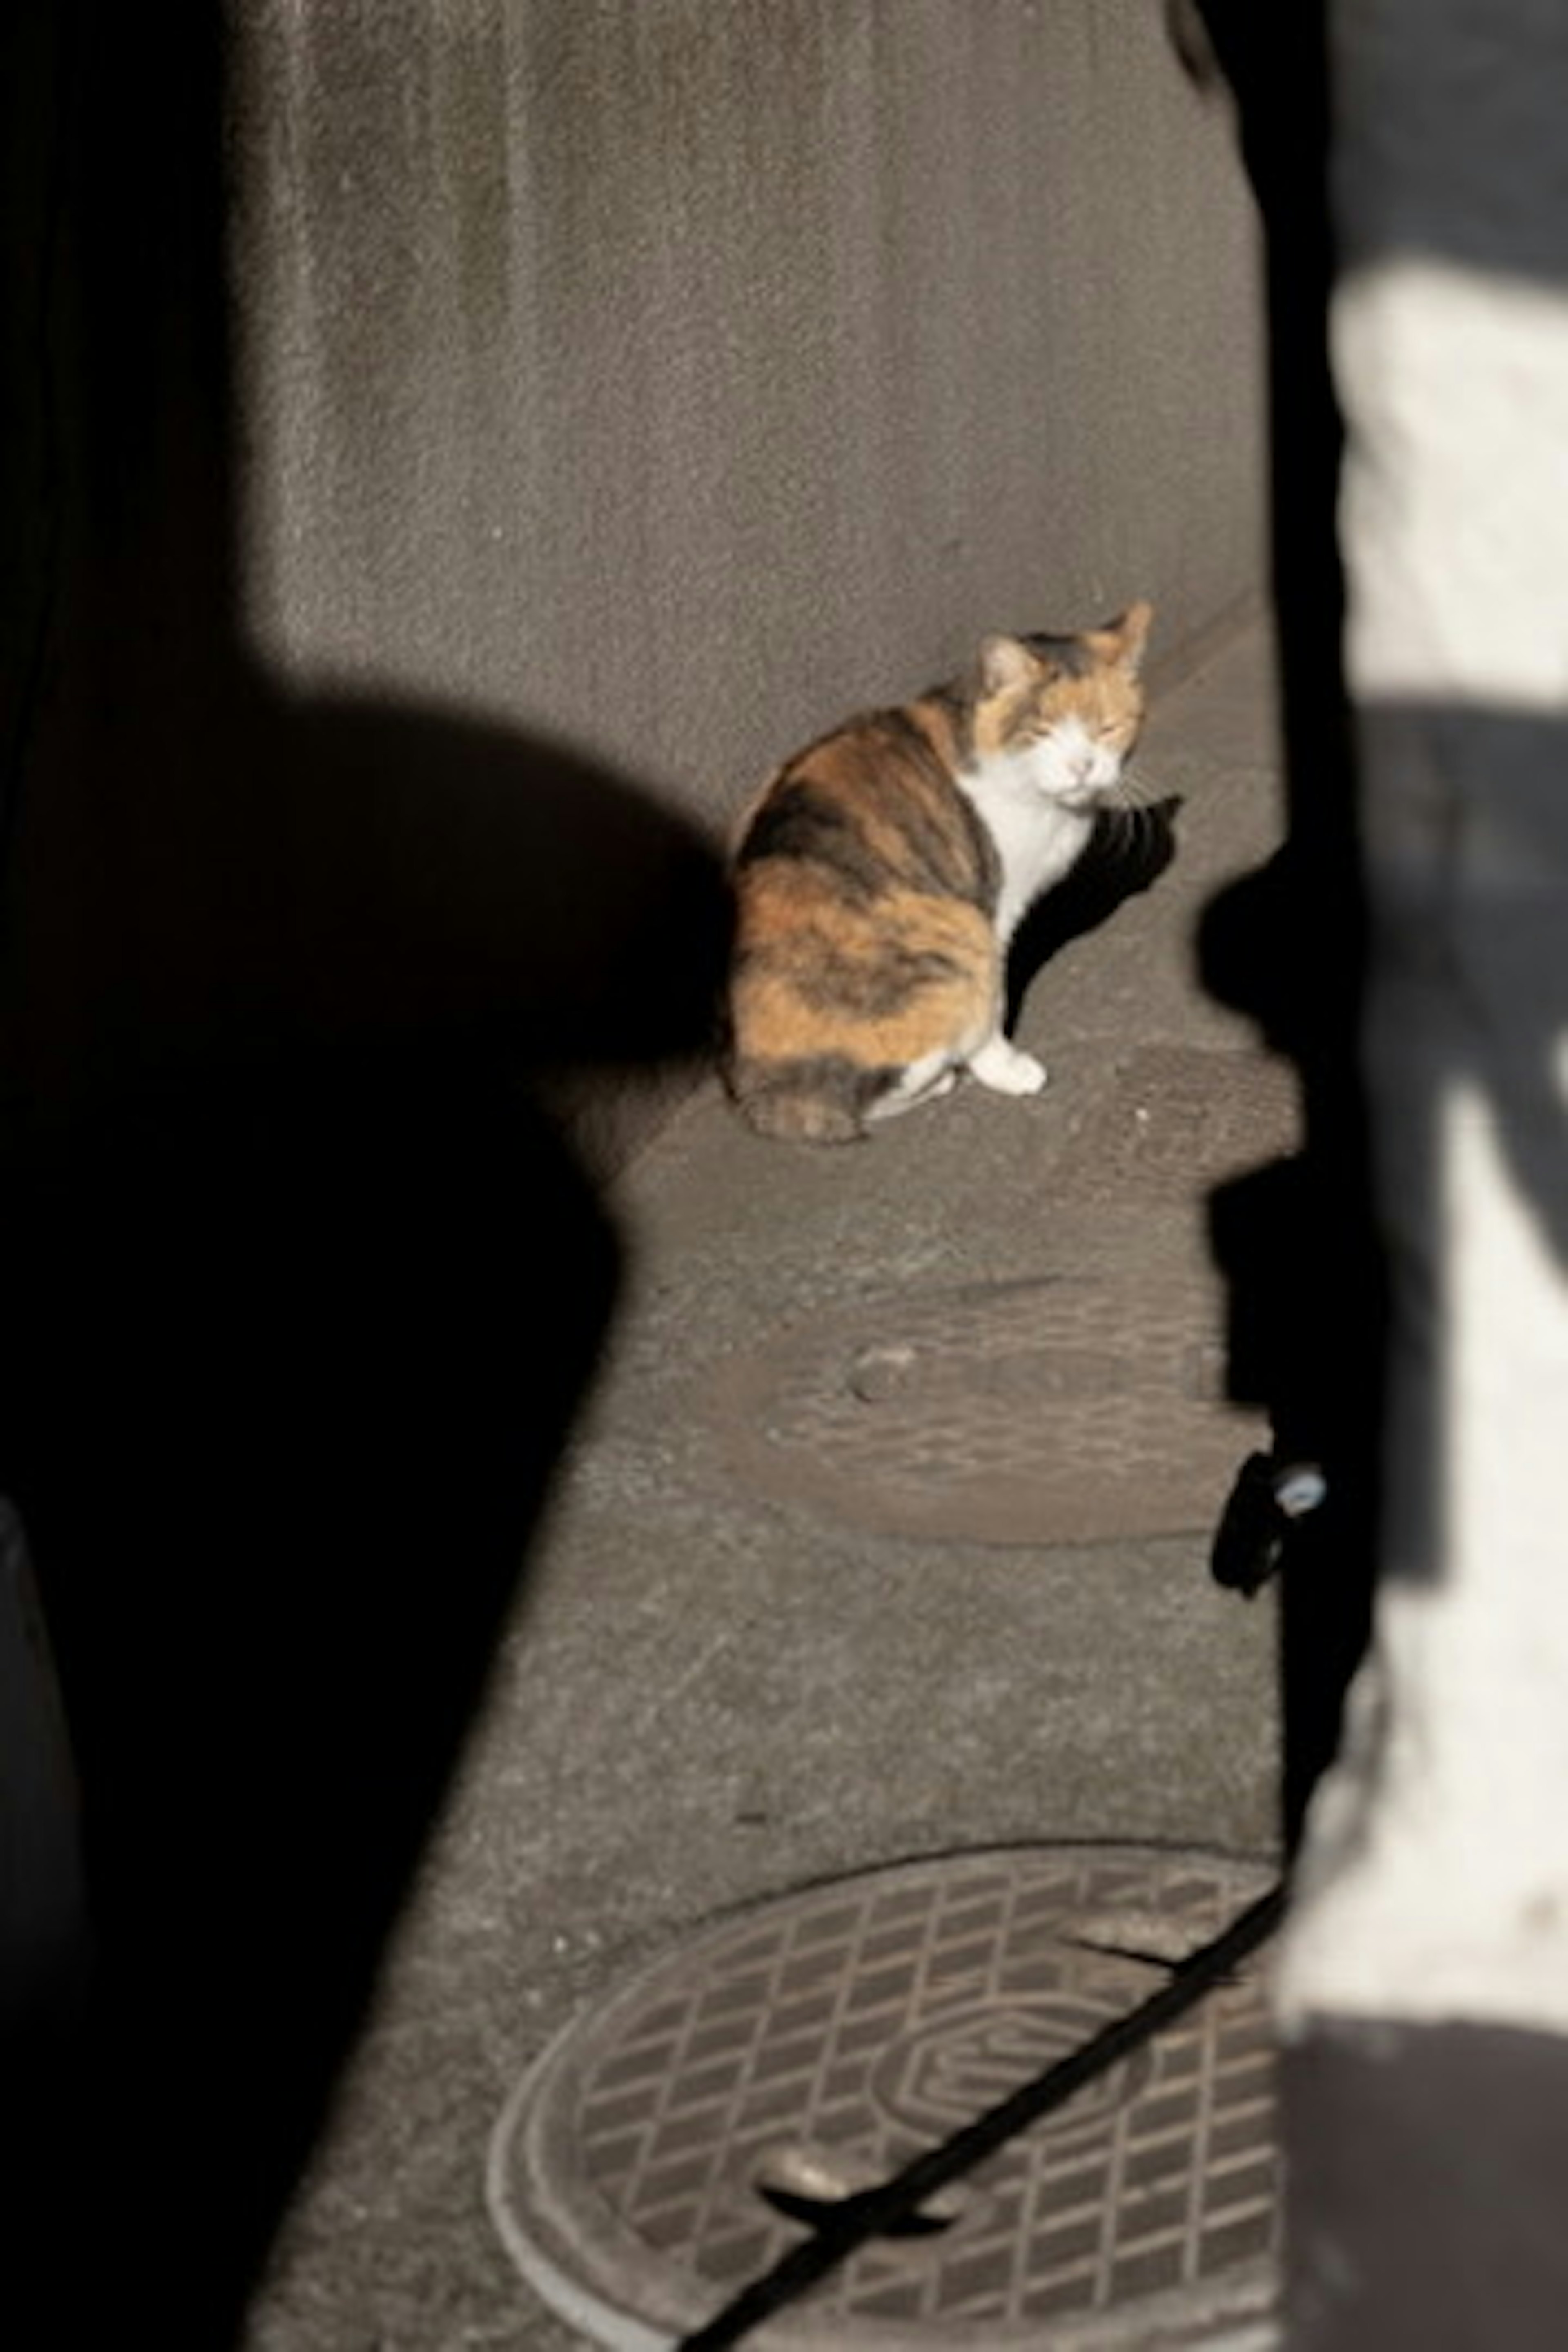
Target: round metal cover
pixel 1071 1408
pixel 672 2145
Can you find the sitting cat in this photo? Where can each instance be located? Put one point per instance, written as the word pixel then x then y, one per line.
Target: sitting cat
pixel 880 874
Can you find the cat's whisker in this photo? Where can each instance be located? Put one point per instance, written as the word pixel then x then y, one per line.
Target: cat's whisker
pixel 1129 837
pixel 1127 816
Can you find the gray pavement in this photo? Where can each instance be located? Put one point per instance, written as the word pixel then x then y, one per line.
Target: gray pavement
pixel 713 1691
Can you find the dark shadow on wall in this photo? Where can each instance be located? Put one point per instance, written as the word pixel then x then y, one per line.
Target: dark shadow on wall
pixel 302 1284
pixel 1295 1240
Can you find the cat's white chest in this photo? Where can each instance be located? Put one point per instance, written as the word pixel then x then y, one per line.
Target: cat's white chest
pixel 1037 837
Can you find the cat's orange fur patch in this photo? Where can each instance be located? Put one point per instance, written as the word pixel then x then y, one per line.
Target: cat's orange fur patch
pixel 794 934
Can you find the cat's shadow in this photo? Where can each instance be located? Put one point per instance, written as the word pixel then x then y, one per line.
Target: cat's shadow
pixel 1128 852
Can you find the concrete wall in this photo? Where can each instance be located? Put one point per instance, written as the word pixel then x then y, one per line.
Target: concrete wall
pixel 1435 1881
pixel 677 377
pixel 1424 1983
pixel 642 382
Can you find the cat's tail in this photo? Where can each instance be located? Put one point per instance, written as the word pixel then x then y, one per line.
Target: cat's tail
pixel 816 1101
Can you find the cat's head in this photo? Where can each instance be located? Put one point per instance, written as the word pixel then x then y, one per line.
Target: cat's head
pixel 1063 712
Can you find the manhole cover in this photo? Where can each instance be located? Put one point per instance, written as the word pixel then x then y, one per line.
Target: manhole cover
pixel 1068 1409
pixel 673 2143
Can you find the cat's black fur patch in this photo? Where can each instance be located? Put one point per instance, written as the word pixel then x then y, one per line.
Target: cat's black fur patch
pixel 799 821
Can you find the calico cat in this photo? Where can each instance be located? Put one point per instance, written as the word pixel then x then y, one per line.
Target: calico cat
pixel 881 873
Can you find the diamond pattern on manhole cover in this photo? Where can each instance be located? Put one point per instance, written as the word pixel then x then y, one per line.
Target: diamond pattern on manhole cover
pixel 1068 1409
pixel 815 2045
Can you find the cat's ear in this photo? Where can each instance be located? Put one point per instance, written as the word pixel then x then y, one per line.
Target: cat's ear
pixel 1004 663
pixel 1122 642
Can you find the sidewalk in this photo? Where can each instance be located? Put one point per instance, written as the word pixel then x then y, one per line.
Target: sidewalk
pixel 790 1622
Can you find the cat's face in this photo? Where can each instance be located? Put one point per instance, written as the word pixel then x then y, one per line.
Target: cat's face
pixel 1060 715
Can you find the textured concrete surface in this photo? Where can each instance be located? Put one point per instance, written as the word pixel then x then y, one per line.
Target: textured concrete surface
pixel 644 378
pixel 650 378
pixel 672 377
pixel 707 1696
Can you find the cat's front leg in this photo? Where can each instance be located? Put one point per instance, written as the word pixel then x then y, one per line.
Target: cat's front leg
pixel 1007 1069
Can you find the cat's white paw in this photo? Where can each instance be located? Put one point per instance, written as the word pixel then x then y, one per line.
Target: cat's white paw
pixel 1007 1069
pixel 924 1081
